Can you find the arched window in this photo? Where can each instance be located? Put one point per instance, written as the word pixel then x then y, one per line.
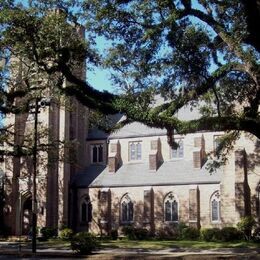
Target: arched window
pixel 97 153
pixel 85 210
pixel 215 206
pixel 127 209
pixel 171 208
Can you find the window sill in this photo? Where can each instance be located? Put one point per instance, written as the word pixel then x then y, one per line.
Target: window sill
pixel 125 223
pixel 216 222
pixel 171 222
pixel 177 159
pixel 135 161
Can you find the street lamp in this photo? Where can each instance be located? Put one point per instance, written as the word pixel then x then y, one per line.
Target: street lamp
pixel 2 178
pixel 39 102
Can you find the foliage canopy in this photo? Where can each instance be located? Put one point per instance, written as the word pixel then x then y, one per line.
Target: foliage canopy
pixel 189 52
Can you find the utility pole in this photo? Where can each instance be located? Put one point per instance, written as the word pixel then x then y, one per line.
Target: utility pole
pixel 34 188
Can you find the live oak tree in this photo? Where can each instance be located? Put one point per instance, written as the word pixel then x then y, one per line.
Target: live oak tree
pixel 189 52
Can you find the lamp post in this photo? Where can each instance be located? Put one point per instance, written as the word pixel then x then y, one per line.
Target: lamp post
pixel 34 188
pixel 39 102
pixel 20 216
pixel 2 180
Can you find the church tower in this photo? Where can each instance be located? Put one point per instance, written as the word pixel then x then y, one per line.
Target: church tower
pixel 61 141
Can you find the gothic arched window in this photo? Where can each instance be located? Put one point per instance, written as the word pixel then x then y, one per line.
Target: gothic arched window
pixel 127 209
pixel 171 208
pixel 97 153
pixel 85 210
pixel 215 206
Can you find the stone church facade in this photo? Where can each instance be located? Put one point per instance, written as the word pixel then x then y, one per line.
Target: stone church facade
pixel 135 178
pixel 55 166
pixel 130 177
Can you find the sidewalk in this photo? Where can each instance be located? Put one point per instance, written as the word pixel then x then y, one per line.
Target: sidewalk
pixel 11 250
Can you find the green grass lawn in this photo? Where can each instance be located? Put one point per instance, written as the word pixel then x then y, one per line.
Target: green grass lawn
pixel 162 244
pixel 151 244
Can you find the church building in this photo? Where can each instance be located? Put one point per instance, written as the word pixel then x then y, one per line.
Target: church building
pixel 134 177
pixel 92 181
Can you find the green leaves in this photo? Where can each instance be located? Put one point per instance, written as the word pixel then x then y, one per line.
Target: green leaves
pixel 187 52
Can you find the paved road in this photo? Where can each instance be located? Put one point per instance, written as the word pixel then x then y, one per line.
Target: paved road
pixel 10 250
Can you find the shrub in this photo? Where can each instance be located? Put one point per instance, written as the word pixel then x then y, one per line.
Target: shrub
pixel 245 225
pixel 114 234
pixel 210 234
pixel 256 235
pixel 190 233
pixel 84 243
pixel 230 234
pixel 180 228
pixel 135 233
pixel 141 233
pixel 128 231
pixel 170 231
pixel 66 234
pixel 48 232
pixel 5 231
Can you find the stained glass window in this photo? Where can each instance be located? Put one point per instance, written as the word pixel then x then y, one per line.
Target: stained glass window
pixel 171 208
pixel 215 206
pixel 127 209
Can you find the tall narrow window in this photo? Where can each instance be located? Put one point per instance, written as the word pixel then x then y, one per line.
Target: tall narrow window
pixel 97 153
pixel 86 210
pixel 135 151
pixel 215 207
pixel 127 209
pixel 178 150
pixel 171 208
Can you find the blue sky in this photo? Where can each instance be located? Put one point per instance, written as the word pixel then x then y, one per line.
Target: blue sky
pixel 99 79
pixel 96 77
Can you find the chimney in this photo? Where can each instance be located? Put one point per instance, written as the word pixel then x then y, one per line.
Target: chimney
pixel 199 154
pixel 114 156
pixel 155 155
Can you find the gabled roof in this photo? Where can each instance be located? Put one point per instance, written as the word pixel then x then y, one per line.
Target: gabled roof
pixel 177 172
pixel 137 129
